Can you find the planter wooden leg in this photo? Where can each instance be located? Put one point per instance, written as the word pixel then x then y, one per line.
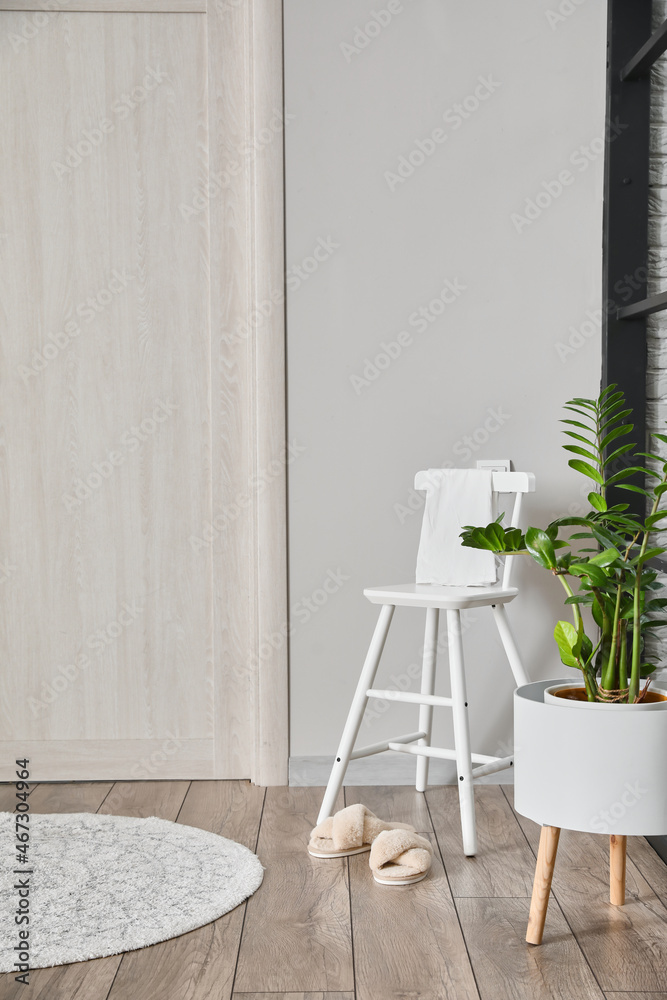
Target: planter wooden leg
pixel 617 851
pixel 544 870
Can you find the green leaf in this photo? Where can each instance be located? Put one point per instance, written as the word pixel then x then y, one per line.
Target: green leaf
pixel 623 450
pixel 580 437
pixel 496 535
pixel 625 474
pixel 605 558
pixel 577 423
pixel 612 416
pixel 634 489
pixel 596 575
pixel 590 404
pixel 566 638
pixel 541 547
pixel 563 522
pixel 577 450
pixel 586 470
pixel 649 554
pixel 476 539
pixel 616 433
pixel 654 518
pixel 597 501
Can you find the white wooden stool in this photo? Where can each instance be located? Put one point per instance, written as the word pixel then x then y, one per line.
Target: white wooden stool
pixel 433 598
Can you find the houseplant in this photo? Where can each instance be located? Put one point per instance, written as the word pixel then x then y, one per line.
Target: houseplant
pixel 599 770
pixel 605 559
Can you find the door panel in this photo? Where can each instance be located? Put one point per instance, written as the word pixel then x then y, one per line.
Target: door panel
pixel 106 629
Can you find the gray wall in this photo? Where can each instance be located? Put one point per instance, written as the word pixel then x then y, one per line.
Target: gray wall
pixel 484 373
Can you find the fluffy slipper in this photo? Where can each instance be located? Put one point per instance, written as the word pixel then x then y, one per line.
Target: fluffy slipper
pixel 400 857
pixel 350 831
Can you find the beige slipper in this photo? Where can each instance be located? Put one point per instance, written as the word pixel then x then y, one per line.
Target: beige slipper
pixel 351 831
pixel 400 857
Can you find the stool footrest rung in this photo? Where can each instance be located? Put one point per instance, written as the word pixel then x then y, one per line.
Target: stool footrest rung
pixel 383 745
pixel 488 764
pixel 410 697
pixel 499 764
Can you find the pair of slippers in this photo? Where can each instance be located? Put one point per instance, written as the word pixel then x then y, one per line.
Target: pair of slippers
pixel 398 855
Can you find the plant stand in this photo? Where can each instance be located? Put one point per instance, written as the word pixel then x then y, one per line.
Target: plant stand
pixel 544 870
pixel 620 792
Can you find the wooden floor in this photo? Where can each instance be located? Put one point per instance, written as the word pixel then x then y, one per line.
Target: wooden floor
pixel 324 930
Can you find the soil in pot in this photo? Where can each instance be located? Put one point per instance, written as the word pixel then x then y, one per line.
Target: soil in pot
pixel 570 693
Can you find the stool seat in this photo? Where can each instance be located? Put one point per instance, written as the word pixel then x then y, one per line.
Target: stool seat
pixel 432 595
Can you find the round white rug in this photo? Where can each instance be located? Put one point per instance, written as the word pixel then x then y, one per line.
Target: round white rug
pixel 101 885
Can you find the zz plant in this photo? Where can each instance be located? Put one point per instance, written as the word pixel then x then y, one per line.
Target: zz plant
pixel 602 566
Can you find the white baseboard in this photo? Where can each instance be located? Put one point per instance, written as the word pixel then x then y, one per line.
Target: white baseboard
pixel 383 769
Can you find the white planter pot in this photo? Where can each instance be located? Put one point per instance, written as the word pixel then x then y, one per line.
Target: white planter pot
pixel 590 767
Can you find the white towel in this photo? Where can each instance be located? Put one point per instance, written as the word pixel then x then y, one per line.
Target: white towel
pixel 454 498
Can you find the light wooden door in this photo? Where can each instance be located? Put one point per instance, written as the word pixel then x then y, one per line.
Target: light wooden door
pixel 119 659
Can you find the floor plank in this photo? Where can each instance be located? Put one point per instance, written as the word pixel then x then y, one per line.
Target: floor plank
pixel 145 798
pixel 636 996
pixel 293 996
pixel 297 931
pixel 199 965
pixel 85 980
pixel 506 967
pixel 626 946
pixel 650 864
pixel 62 797
pixel 504 864
pixel 407 939
pixel 8 796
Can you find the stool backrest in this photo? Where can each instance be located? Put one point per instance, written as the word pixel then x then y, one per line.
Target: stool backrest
pixel 514 483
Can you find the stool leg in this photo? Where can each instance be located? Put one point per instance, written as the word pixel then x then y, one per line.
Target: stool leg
pixel 356 713
pixel 507 639
pixel 427 686
pixel 617 858
pixel 461 733
pixel 544 870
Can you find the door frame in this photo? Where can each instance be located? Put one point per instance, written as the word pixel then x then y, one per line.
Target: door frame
pixel 251 630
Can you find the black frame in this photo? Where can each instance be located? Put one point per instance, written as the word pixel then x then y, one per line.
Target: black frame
pixel 625 228
pixel 631 52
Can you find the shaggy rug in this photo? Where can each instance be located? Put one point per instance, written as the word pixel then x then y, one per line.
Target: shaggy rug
pixel 100 885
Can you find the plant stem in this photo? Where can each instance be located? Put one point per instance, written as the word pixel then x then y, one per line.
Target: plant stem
pixel 570 593
pixel 608 678
pixel 635 674
pixel 623 658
